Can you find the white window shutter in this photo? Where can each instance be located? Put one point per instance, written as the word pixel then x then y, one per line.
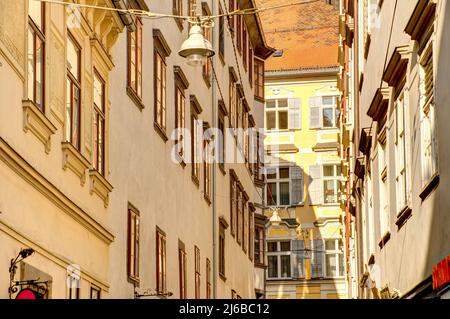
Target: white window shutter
pixel 315 103
pixel 298 262
pixel 296 174
pixel 295 114
pixel 315 185
pixel 317 259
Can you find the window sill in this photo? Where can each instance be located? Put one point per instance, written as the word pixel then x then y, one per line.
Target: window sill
pixel 222 276
pixel 207 199
pixel 403 216
pixel 384 239
pixel 260 99
pixel 222 169
pixel 135 98
pixel 36 122
pixel 75 161
pixel 180 160
pixel 207 80
pixel 261 266
pixel 133 280
pixel 161 132
pixel 430 187
pixel 195 180
pixel 100 186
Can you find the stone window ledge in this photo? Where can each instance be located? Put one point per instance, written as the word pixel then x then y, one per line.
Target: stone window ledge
pixel 75 161
pixel 36 122
pixel 99 185
pixel 403 216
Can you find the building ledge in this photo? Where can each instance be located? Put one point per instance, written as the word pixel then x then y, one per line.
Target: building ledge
pixel 36 122
pixel 384 239
pixel 135 98
pixel 404 214
pixel 430 187
pixel 100 186
pixel 75 161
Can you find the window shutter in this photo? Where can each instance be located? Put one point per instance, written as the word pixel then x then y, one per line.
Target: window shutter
pixel 298 267
pixel 295 114
pixel 315 185
pixel 296 174
pixel 315 103
pixel 317 260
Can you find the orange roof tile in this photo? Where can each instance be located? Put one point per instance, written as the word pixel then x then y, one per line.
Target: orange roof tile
pixel 307 33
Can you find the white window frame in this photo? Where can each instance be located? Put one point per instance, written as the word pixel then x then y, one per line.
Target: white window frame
pixel 384 193
pixel 334 109
pixel 337 180
pixel 429 151
pixel 278 254
pixel 278 181
pixel 337 252
pixel 401 174
pixel 276 109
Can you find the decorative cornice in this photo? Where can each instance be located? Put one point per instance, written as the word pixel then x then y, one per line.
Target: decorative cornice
pixel 42 185
pixel 395 73
pixel 421 18
pixel 74 160
pixel 161 43
pixel 180 77
pixel 379 106
pixel 195 104
pixel 100 186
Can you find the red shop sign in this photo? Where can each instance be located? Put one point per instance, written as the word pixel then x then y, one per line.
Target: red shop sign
pixel 441 273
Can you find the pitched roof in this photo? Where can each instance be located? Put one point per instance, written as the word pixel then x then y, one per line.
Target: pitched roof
pixel 307 33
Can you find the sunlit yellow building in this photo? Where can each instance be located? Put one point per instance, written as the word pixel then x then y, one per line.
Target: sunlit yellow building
pixel 304 255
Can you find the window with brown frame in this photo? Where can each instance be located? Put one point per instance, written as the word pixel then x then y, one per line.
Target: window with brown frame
pixel 133 244
pixel 197 272
pixel 221 34
pixel 250 64
pixel 73 110
pixel 207 160
pixel 192 7
pixel 232 100
pixel 196 146
pixel 36 53
pixel 161 266
pixel 160 92
pixel 251 233
pixel 244 46
pixel 182 269
pixel 207 33
pixel 245 219
pixel 239 107
pixel 239 22
pixel 99 123
pixel 177 10
pixel 231 8
pixel 259 244
pixel 245 120
pixel 221 140
pixel 208 279
pixel 181 84
pixel 222 251
pixel 233 203
pixel 259 79
pixel 240 215
pixel 95 293
pixel 134 79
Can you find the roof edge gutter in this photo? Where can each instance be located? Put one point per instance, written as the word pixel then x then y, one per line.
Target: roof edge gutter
pixel 126 17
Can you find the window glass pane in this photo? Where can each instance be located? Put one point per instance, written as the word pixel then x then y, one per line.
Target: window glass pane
pixel 272 246
pixel 330 244
pixel 98 92
pixel 328 117
pixel 328 100
pixel 329 191
pixel 39 72
pixel 328 171
pixel 270 120
pixel 285 266
pixel 341 265
pixel 35 12
pixel 272 193
pixel 271 173
pixel 72 58
pixel 30 68
pixel 283 103
pixel 270 104
pixel 284 172
pixel 331 265
pixel 285 246
pixel 272 266
pixel 284 193
pixel 283 120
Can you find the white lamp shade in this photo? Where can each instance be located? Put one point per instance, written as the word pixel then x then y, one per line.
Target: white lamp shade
pixel 196 49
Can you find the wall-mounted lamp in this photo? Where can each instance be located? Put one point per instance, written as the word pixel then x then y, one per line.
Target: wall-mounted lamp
pixel 23 253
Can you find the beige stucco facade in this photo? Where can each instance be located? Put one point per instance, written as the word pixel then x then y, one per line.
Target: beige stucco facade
pixel 397 94
pixel 54 201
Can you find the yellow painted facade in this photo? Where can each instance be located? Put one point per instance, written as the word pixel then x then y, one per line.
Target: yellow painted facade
pixel 311 217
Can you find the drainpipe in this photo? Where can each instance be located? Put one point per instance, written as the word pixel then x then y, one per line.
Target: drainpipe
pixel 214 179
pixel 126 17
